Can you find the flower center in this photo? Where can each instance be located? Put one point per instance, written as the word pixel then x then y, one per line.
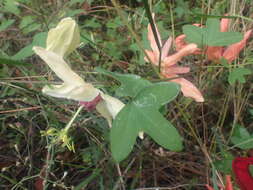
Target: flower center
pixel 91 105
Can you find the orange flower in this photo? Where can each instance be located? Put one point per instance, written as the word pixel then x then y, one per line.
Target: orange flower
pixel 169 66
pixel 228 184
pixel 215 53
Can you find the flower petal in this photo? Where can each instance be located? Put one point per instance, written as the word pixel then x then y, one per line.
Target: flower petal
pixel 85 92
pixel 73 87
pixel 64 38
pixel 109 107
pixel 189 90
pixel 224 24
pixel 151 56
pixel 175 70
pixel 173 59
pixel 232 52
pixel 228 183
pixel 166 48
pixel 214 53
pixel 209 187
pixel 59 66
pixel 242 173
pixel 180 42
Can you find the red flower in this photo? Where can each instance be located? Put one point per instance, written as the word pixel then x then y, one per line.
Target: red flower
pixel 242 174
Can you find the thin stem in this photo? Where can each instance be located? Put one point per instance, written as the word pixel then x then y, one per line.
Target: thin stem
pixel 152 24
pixel 136 37
pixel 73 118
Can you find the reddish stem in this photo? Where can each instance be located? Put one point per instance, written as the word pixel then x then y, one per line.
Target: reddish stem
pixel 91 105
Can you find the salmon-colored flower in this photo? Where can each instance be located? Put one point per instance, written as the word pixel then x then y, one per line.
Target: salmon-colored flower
pixel 228 184
pixel 169 67
pixel 231 52
pixel 215 53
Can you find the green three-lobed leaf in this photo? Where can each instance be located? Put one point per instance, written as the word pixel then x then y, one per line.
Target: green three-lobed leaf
pixel 142 114
pixel 238 74
pixel 210 35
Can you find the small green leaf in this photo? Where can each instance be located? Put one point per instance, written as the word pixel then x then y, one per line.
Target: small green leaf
pixel 210 35
pixel 142 114
pixel 6 23
pixel 11 6
pixel 241 138
pixel 225 164
pixel 237 74
pixel 26 21
pixel 130 84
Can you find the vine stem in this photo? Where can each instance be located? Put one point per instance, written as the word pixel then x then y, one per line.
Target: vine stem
pixel 73 118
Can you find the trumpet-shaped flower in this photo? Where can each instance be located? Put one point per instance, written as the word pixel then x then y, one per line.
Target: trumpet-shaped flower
pixel 63 40
pixel 228 184
pixel 74 87
pixel 215 53
pixel 169 66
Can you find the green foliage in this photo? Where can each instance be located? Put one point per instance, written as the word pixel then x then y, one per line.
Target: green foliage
pixel 214 178
pixel 182 8
pixel 6 23
pixel 142 114
pixel 225 164
pixel 238 74
pixel 114 23
pixel 88 179
pixel 135 48
pixel 106 42
pixel 210 35
pixel 11 6
pixel 28 24
pixel 38 40
pixel 92 23
pixel 131 84
pixel 12 62
pixel 241 138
